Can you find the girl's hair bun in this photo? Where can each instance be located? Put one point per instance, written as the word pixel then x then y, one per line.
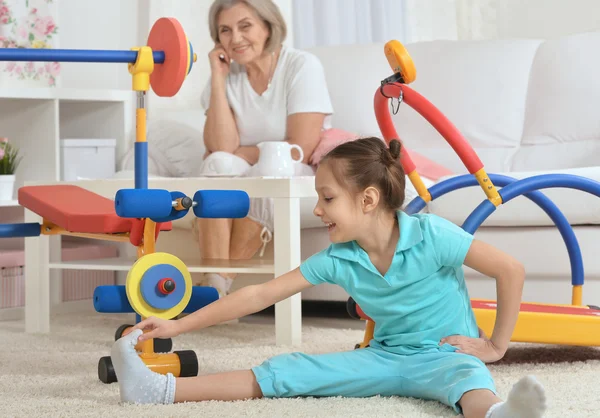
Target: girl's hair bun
pixel 395 147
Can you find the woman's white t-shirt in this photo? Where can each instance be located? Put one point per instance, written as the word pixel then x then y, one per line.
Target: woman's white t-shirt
pixel 298 85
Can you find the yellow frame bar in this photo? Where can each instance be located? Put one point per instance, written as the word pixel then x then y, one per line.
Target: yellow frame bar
pixel 49 228
pixel 488 187
pixel 420 187
pixel 546 328
pixel 577 295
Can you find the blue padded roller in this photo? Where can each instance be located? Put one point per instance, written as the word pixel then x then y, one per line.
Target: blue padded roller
pixel 20 230
pixel 113 299
pixel 221 204
pixel 143 203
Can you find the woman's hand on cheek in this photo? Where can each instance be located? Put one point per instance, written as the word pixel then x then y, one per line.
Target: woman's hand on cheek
pixel 219 60
pixel 481 348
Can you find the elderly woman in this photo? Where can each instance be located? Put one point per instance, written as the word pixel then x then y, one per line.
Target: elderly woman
pixel 259 90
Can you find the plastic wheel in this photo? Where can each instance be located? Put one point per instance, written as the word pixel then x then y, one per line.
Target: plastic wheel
pixel 188 362
pixel 119 332
pixel 163 345
pixel 143 279
pixel 106 371
pixel 351 308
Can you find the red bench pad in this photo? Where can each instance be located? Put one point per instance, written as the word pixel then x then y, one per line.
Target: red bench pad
pixel 541 308
pixel 76 209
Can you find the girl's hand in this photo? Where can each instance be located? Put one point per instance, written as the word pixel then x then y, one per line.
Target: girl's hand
pixel 219 61
pixel 158 328
pixel 481 348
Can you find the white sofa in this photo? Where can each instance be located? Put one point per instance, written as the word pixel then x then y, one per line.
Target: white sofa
pixel 526 106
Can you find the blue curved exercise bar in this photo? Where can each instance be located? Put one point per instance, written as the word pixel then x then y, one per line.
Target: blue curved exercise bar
pixel 486 208
pixel 75 55
pixel 542 181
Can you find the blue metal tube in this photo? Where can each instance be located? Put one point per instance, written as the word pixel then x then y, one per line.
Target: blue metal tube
pixel 141 165
pixel 415 206
pixel 486 208
pixel 74 55
pixel 20 230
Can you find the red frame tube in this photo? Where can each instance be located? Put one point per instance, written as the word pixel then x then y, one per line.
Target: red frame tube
pixel 432 114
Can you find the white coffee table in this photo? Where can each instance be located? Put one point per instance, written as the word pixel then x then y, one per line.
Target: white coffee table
pixel 286 194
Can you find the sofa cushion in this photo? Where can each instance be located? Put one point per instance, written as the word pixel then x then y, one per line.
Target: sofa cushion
pixel 480 86
pixel 562 123
pixel 579 207
pixel 353 73
pixel 558 155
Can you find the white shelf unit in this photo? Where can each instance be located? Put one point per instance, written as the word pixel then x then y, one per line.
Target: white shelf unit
pixel 253 266
pixel 9 203
pixel 35 120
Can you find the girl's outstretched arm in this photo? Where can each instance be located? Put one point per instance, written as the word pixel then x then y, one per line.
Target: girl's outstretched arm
pixel 245 301
pixel 510 277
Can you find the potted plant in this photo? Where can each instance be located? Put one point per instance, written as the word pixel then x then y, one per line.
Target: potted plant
pixel 9 161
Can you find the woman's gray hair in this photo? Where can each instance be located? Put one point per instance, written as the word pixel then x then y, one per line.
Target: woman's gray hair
pixel 264 9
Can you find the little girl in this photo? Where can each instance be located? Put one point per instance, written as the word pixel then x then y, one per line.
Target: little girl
pixel 404 271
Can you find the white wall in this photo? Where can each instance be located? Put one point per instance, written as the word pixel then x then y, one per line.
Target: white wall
pixel 499 19
pixel 106 24
pixel 541 19
pixel 431 19
pixel 546 18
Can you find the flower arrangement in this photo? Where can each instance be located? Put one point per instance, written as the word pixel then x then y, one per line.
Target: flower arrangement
pixel 9 157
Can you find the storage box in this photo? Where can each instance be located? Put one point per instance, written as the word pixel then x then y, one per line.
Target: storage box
pixel 76 284
pixel 87 159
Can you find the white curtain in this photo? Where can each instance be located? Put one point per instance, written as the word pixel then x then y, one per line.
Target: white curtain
pixel 340 22
pixel 477 19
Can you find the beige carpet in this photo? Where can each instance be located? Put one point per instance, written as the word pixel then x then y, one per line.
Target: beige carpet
pixel 55 375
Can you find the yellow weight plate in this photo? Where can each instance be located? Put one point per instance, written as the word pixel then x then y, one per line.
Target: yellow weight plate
pixel 134 279
pixel 400 61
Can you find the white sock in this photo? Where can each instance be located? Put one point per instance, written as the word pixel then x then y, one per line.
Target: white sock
pixel 527 399
pixel 137 383
pixel 222 284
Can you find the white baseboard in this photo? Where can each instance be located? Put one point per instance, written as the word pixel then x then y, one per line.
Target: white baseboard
pixel 11 314
pixel 78 306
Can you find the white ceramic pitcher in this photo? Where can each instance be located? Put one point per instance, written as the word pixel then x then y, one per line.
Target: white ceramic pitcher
pixel 276 160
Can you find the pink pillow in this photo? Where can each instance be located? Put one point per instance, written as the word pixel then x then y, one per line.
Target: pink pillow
pixel 331 138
